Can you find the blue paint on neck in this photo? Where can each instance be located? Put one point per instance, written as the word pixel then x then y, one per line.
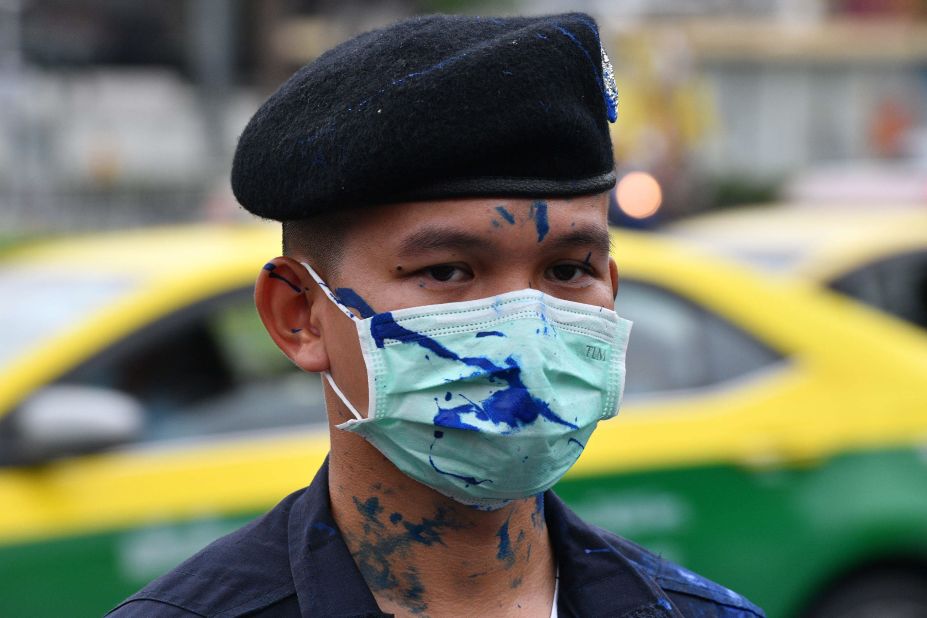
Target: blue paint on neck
pixel 350 298
pixel 539 214
pixel 505 552
pixel 371 510
pixel 395 518
pixel 505 214
pixel 537 517
pixel 489 333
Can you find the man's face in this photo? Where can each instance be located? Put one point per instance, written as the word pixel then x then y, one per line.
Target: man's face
pixel 426 253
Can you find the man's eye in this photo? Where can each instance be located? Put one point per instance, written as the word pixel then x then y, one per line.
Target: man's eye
pixel 566 272
pixel 444 272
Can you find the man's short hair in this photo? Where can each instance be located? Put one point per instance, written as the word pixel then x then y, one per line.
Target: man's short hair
pixel 319 240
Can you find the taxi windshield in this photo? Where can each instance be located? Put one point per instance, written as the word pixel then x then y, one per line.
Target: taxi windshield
pixel 36 305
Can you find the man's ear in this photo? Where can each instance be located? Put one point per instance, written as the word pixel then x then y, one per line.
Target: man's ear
pixel 613 273
pixel 286 299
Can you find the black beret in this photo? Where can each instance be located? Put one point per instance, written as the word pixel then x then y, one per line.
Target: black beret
pixel 435 107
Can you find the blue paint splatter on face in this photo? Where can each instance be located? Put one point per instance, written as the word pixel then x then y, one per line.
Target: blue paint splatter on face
pixel 505 553
pixel 539 214
pixel 513 405
pixel 352 299
pixel 395 518
pixel 270 273
pixel 495 223
pixel 505 214
pixel 588 257
pixel 489 333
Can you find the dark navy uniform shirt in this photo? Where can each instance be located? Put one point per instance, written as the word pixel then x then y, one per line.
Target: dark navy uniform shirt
pixel 294 562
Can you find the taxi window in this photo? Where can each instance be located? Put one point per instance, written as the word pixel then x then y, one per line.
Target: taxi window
pixel 896 285
pixel 677 345
pixel 32 310
pixel 208 369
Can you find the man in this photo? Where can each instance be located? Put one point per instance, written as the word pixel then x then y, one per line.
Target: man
pixel 442 185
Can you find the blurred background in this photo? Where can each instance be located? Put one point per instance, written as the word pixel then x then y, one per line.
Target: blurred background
pixel 771 224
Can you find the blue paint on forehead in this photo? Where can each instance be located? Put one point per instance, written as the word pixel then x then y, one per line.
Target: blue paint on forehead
pixel 349 298
pixel 505 214
pixel 539 214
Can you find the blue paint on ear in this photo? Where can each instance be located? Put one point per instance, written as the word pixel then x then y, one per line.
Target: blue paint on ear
pixel 269 266
pixel 505 214
pixel 295 330
pixel 279 277
pixel 539 214
pixel 350 298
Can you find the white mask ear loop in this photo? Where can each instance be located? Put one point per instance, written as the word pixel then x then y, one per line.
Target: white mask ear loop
pixel 344 400
pixel 328 292
pixel 331 296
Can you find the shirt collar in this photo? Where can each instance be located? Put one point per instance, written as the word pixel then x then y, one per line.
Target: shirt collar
pixel 595 578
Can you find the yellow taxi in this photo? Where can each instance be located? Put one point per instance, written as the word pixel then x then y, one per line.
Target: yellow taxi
pixel 772 436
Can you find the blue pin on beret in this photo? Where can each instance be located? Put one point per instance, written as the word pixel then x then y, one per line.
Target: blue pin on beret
pixel 431 108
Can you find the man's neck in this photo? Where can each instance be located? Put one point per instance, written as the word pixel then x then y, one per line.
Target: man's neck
pixel 424 554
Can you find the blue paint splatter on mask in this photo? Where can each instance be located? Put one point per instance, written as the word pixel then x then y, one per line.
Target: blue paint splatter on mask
pixel 352 299
pixel 489 333
pixel 513 405
pixel 539 214
pixel 447 396
pixel 505 214
pixel 577 442
pixel 468 480
pixel 270 273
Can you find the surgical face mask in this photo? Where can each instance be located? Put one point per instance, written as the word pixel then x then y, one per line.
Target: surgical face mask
pixel 487 400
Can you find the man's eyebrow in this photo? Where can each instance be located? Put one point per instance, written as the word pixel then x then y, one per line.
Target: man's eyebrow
pixel 439 238
pixel 594 236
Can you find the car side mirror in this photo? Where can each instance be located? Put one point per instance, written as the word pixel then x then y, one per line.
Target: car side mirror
pixel 69 419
